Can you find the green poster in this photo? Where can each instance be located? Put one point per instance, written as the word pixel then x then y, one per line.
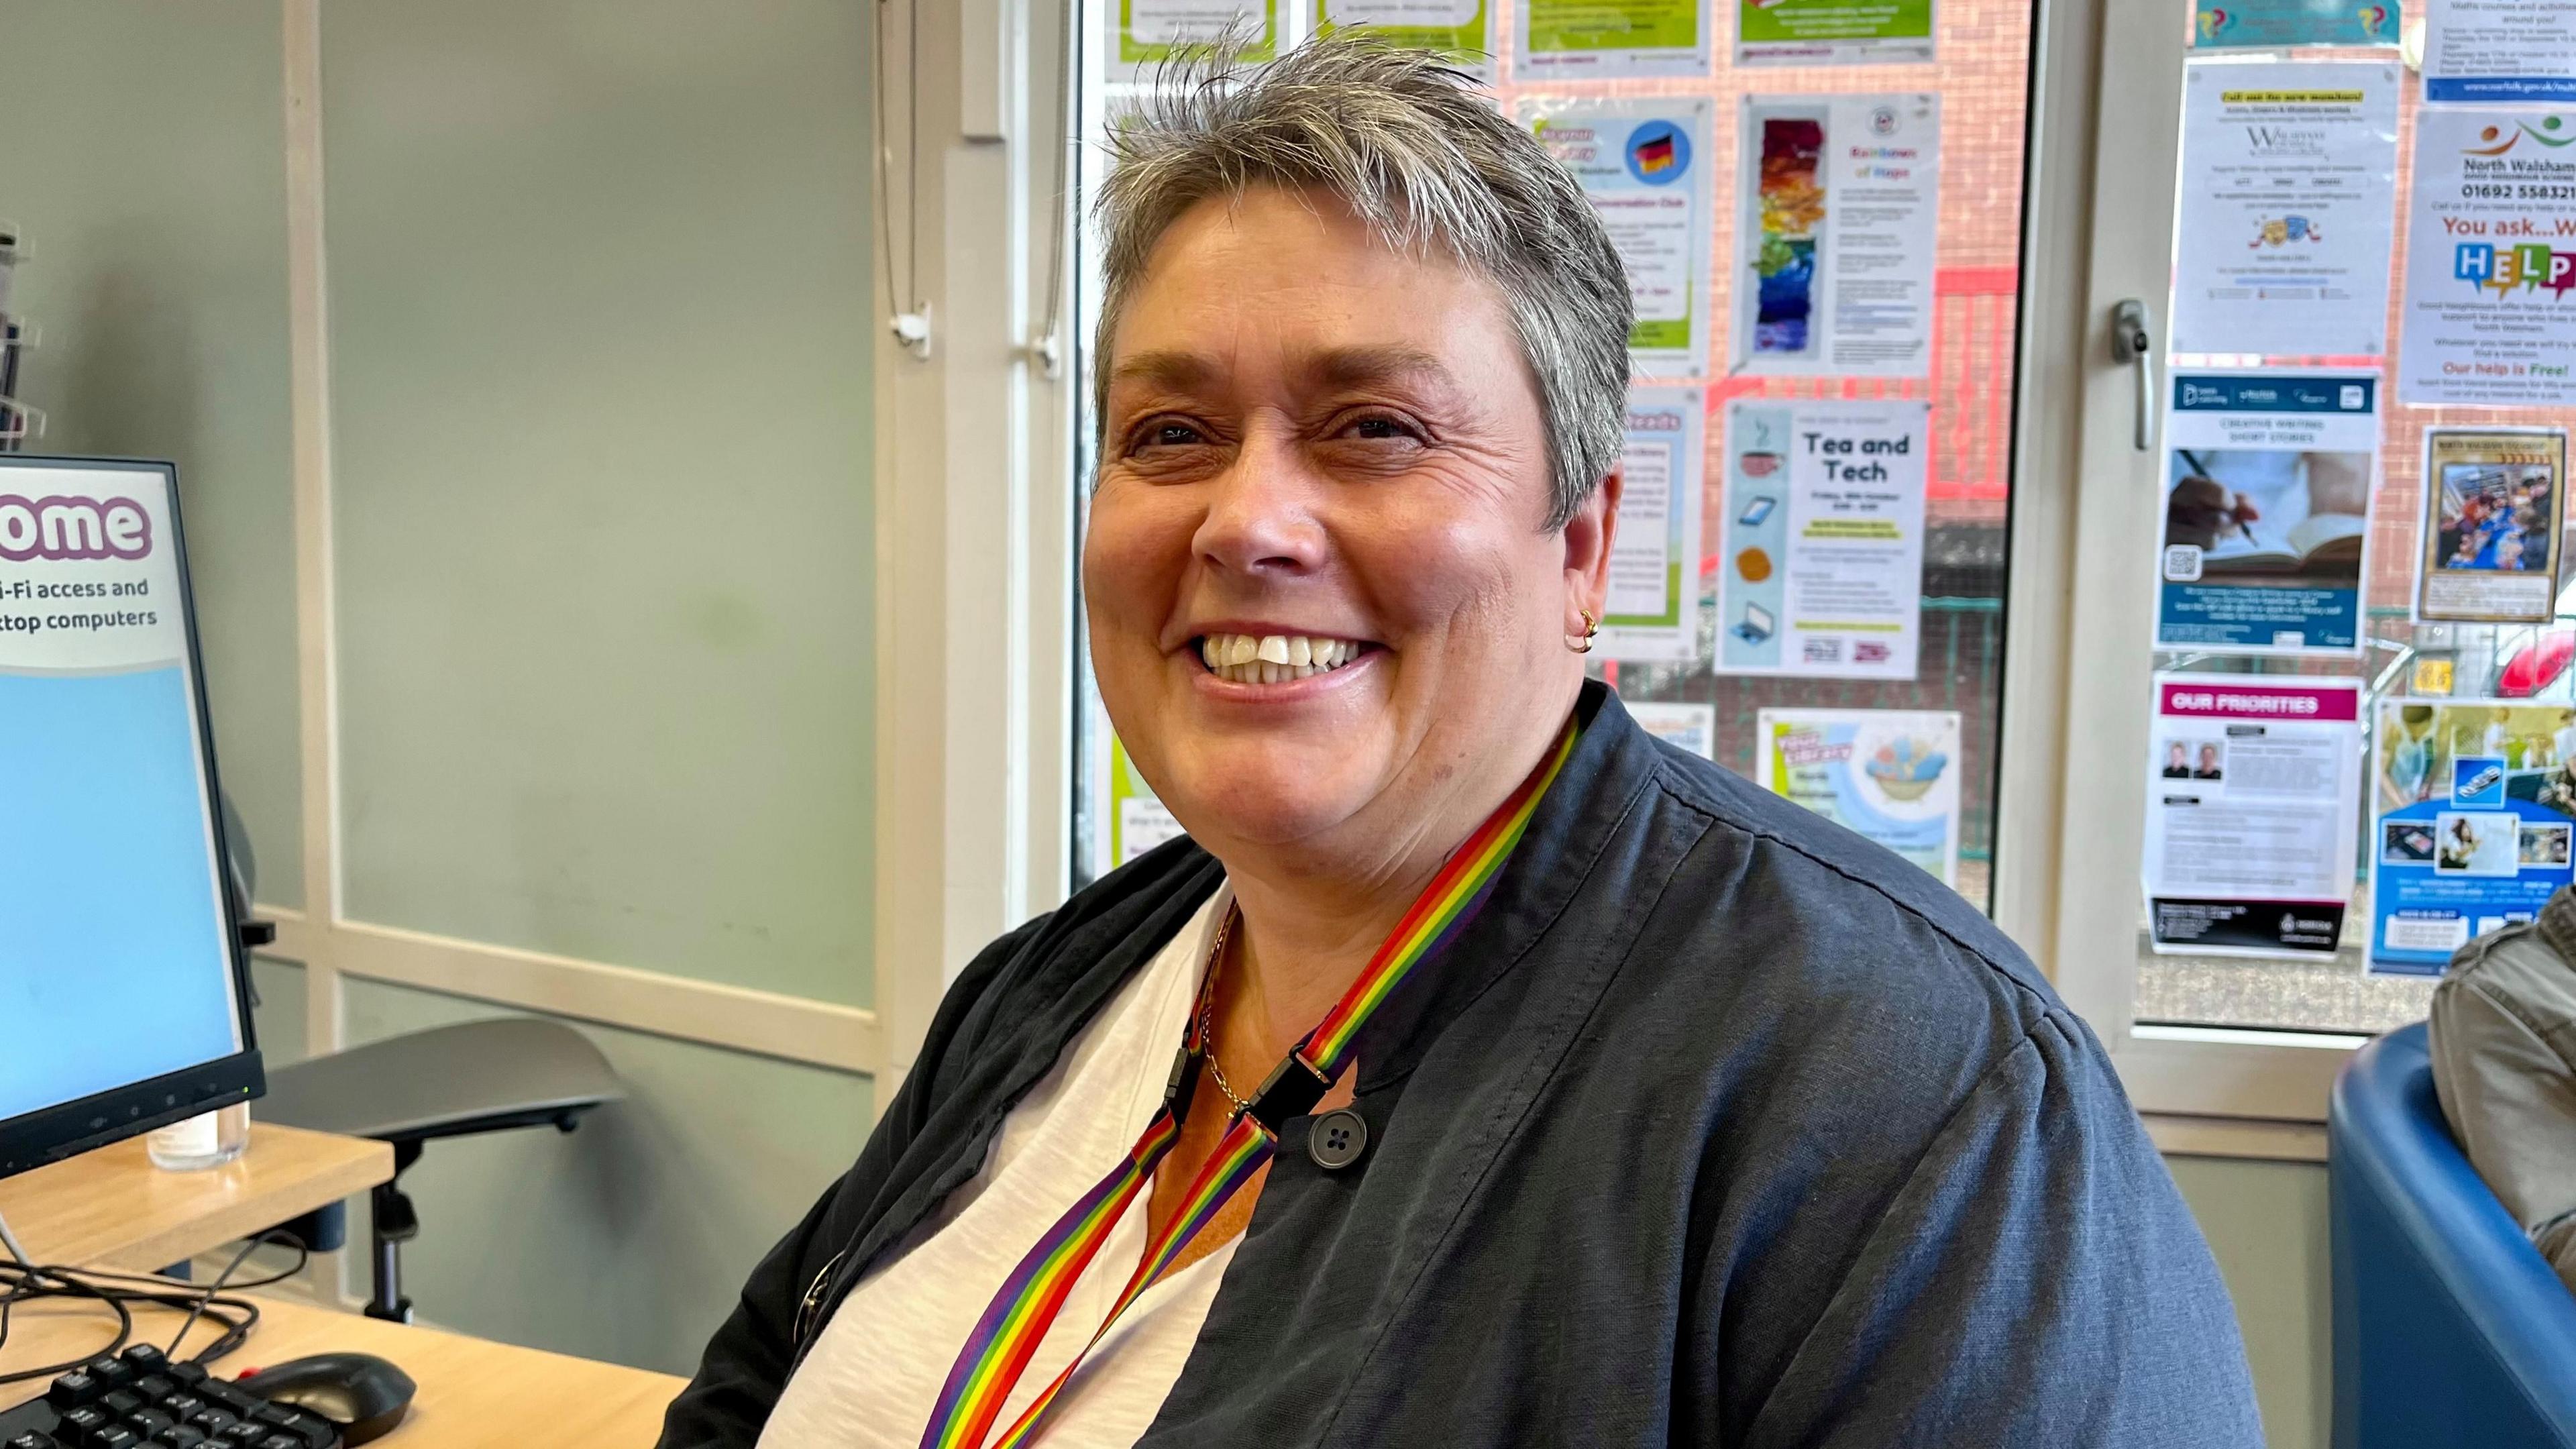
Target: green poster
pixel 1151 32
pixel 1605 39
pixel 1462 30
pixel 1832 32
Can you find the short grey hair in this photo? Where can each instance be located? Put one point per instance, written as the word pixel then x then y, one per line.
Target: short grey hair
pixel 1405 141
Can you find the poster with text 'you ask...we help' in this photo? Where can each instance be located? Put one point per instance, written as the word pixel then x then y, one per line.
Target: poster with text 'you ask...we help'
pixel 2253 796
pixel 2489 315
pixel 2473 808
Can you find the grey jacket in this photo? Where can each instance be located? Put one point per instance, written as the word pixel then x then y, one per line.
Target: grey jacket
pixel 2504 1065
pixel 1719 1125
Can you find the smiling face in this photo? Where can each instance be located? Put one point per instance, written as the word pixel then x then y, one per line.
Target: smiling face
pixel 1327 615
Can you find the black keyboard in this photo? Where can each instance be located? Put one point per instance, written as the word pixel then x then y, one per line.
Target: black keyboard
pixel 140 1400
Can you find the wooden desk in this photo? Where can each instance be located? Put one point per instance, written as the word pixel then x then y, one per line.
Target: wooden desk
pixel 474 1394
pixel 111 1207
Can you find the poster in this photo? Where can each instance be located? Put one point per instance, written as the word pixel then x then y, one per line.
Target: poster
pixel 1838 196
pixel 2253 800
pixel 2500 51
pixel 1643 165
pixel 1891 775
pixel 1832 32
pixel 2289 187
pixel 1692 727
pixel 1821 565
pixel 2473 806
pixel 1652 611
pixel 1607 39
pixel 1135 820
pixel 2495 505
pixel 1152 32
pixel 1462 30
pixel 2490 261
pixel 2220 24
pixel 2266 525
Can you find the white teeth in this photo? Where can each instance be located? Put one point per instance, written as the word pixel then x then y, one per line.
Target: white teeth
pixel 1274 658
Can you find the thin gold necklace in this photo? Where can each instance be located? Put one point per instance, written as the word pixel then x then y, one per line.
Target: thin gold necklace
pixel 1207 1010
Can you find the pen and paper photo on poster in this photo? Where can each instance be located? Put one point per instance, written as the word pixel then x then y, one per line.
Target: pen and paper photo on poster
pixel 2474 802
pixel 2494 515
pixel 2265 532
pixel 2253 802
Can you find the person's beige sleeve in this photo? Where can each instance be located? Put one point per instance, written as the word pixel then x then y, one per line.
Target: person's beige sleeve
pixel 2511 1099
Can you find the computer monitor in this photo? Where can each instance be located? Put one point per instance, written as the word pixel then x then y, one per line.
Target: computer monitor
pixel 123 990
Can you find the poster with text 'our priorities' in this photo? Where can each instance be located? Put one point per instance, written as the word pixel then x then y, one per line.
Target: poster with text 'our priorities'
pixel 1838 198
pixel 1644 166
pixel 2473 806
pixel 1891 775
pixel 2489 315
pixel 2265 532
pixel 1820 569
pixel 2253 796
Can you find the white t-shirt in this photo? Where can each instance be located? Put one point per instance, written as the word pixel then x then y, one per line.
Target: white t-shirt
pixel 871 1379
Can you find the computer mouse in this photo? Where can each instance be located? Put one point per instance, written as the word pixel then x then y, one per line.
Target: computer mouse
pixel 360 1392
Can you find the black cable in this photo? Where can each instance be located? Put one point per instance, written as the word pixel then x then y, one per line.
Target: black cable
pixel 123 1292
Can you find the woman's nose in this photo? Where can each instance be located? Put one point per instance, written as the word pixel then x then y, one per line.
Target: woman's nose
pixel 1261 514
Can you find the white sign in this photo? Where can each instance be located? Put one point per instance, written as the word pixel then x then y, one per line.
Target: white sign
pixel 1693 727
pixel 2253 805
pixel 1821 570
pixel 1837 200
pixel 1644 166
pixel 2490 261
pixel 1652 611
pixel 2500 51
pixel 2289 181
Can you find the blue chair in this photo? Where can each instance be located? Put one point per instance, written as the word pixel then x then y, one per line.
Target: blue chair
pixel 2450 1329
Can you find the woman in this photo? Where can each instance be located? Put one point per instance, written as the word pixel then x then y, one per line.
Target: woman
pixel 1593 1096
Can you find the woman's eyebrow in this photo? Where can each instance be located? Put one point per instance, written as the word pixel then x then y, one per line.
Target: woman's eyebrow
pixel 1381 366
pixel 1173 371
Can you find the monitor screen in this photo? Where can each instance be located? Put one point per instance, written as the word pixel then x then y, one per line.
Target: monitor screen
pixel 118 962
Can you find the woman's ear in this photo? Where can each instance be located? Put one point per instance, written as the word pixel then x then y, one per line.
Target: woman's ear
pixel 1589 535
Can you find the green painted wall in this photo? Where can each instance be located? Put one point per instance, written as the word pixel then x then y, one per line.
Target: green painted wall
pixel 144 162
pixel 600 330
pixel 2266 1222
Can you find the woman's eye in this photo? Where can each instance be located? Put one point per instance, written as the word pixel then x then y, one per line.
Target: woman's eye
pixel 1167 435
pixel 1378 429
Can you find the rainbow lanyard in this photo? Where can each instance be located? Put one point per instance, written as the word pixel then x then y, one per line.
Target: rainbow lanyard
pixel 1022 1310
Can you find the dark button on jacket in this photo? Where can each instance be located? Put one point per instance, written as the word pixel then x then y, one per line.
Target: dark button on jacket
pixel 1719 1126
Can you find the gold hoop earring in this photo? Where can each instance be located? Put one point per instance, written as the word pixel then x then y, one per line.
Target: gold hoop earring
pixel 1582 644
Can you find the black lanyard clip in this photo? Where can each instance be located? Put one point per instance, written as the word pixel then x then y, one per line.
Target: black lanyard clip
pixel 1182 1084
pixel 1293 1089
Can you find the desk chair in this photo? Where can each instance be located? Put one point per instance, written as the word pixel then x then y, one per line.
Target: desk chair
pixel 451 1081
